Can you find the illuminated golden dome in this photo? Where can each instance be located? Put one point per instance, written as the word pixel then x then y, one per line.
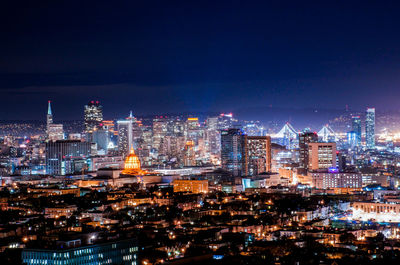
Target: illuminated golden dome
pixel 132 165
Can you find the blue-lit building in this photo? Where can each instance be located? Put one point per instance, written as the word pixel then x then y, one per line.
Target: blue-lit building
pixel 356 127
pixel 119 252
pixel 233 151
pixel 370 128
pixel 352 139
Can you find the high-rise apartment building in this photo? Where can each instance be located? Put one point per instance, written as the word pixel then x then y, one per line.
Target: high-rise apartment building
pixel 93 116
pixel 232 151
pixel 305 139
pixel 370 128
pixel 257 154
pixel 321 155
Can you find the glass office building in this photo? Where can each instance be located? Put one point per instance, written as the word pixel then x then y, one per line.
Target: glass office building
pixel 370 128
pixel 119 252
pixel 356 128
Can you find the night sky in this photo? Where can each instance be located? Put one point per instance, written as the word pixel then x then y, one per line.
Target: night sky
pixel 182 56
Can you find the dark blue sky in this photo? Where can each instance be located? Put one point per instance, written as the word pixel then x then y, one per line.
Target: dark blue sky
pixel 172 56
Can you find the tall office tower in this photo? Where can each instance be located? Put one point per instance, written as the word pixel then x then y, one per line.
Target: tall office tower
pixel 213 138
pixel 112 132
pixel 370 128
pixel 93 116
pixel 321 155
pixel 233 151
pixel 189 154
pixel 356 128
pixel 176 127
pixel 226 121
pixel 66 156
pixel 160 125
pixel 125 136
pixel 54 131
pixel 352 139
pixel 305 139
pixel 49 117
pixel 172 147
pixel 194 132
pixel 258 154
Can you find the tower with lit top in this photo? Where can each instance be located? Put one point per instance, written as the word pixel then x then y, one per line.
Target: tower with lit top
pixel 49 118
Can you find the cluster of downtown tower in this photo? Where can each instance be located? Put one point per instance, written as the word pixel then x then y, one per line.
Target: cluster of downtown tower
pixel 150 190
pixel 177 141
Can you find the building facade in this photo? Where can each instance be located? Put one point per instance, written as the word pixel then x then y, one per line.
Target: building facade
pixel 64 156
pixel 125 136
pixel 321 155
pixel 258 154
pixel 356 128
pixel 331 180
pixel 304 139
pixel 370 128
pixel 93 116
pixel 232 151
pixel 119 252
pixel 193 186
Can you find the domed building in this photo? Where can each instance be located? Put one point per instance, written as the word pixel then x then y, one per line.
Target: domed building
pixel 132 165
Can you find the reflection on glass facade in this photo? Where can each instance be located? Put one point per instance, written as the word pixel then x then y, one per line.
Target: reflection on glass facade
pixel 356 128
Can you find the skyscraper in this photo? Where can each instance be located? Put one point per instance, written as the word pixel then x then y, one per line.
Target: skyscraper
pixel 232 151
pixel 258 154
pixel 352 139
pixel 125 135
pixel 370 128
pixel 93 116
pixel 356 128
pixel 54 131
pixel 49 118
pixel 305 139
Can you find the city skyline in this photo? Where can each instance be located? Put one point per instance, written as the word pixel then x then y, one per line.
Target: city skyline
pixel 199 132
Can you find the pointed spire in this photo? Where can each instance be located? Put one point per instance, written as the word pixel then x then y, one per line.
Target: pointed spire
pixel 130 115
pixel 132 152
pixel 49 109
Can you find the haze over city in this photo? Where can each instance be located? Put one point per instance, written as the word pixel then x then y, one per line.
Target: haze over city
pixel 184 56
